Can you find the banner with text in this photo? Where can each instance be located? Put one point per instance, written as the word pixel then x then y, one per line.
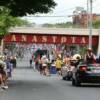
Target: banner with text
pixel 50 39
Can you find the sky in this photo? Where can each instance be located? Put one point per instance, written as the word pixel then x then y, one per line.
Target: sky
pixel 64 8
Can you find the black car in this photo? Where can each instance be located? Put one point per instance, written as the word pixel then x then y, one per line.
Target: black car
pixel 86 73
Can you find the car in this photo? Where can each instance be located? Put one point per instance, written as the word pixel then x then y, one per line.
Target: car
pixel 86 73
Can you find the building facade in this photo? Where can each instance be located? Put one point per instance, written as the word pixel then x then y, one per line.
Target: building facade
pixel 82 19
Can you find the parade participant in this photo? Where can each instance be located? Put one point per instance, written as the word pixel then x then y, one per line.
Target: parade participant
pixel 9 67
pixel 89 56
pixel 41 67
pixel 13 61
pixel 58 64
pixel 66 60
pixel 53 67
pixel 76 59
pixel 45 62
pixel 30 62
pixel 3 75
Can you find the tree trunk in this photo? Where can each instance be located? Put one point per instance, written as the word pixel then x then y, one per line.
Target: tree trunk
pixel 1 45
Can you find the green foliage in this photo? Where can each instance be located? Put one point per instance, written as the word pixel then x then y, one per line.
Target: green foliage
pixel 24 7
pixel 7 21
pixel 59 25
pixel 96 24
pixel 15 21
pixel 82 50
pixel 4 20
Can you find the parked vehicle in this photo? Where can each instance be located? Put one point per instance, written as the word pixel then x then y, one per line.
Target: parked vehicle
pixel 86 73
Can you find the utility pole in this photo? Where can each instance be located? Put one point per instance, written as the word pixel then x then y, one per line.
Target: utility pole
pixel 87 14
pixel 90 25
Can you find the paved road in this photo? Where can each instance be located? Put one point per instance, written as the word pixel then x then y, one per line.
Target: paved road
pixel 27 84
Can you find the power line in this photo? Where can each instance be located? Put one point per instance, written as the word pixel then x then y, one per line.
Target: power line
pixel 70 8
pixel 72 15
pixel 48 16
pixel 55 15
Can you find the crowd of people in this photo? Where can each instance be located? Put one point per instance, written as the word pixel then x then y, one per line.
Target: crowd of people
pixel 45 63
pixel 47 60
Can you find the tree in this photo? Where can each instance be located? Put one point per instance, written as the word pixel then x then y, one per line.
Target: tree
pixel 79 10
pixel 15 8
pixel 59 25
pixel 24 7
pixel 96 24
pixel 7 21
pixel 16 21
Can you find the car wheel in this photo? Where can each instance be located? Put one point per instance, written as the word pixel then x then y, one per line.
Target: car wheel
pixel 64 78
pixel 68 78
pixel 77 83
pixel 73 82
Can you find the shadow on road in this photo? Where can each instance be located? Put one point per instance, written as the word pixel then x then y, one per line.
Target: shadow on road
pixel 91 85
pixel 24 67
pixel 29 85
pixel 86 85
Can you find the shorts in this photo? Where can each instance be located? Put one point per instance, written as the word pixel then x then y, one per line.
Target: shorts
pixel 40 67
pixel 58 69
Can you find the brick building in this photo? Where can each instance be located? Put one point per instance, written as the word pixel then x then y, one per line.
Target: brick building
pixel 81 19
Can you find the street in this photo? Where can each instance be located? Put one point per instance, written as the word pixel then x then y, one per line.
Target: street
pixel 27 84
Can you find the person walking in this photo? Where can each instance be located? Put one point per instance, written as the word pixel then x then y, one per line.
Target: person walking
pixel 3 74
pixel 58 64
pixel 9 67
pixel 31 63
pixel 13 61
pixel 89 56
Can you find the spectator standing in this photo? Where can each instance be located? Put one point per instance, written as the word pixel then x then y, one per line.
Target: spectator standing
pixel 89 56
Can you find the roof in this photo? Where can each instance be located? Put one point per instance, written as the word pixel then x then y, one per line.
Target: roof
pixel 53 31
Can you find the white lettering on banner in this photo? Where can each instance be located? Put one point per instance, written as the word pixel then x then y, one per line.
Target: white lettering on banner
pixel 63 39
pixel 54 39
pixel 83 40
pixel 70 39
pixel 34 39
pixel 13 38
pixel 44 39
pixel 24 38
pixel 73 39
